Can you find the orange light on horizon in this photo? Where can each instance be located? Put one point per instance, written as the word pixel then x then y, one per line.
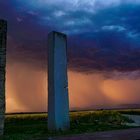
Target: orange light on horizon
pixel 26 90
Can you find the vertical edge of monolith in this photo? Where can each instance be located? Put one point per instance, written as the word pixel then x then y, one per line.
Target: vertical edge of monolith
pixel 3 39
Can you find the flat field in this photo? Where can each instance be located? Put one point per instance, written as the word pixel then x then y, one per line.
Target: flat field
pixel 30 126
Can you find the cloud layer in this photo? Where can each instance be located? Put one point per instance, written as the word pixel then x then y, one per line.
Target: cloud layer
pixel 103 40
pixel 103 51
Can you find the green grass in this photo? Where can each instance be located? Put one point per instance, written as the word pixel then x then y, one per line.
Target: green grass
pixel 28 126
pixel 130 111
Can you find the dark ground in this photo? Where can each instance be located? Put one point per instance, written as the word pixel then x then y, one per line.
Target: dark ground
pixel 85 125
pixel 129 134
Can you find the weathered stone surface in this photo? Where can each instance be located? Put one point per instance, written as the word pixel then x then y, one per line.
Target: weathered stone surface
pixel 58 103
pixel 3 33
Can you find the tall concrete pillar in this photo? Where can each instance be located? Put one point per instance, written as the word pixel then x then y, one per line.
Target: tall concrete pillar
pixel 58 102
pixel 3 33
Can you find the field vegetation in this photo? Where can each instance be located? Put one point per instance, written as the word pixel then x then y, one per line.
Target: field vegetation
pixel 130 111
pixel 31 126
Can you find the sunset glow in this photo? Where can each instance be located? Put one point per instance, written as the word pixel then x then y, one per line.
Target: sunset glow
pixel 86 91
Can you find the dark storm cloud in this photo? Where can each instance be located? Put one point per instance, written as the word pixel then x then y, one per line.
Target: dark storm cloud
pixel 26 40
pixel 102 37
pixel 113 41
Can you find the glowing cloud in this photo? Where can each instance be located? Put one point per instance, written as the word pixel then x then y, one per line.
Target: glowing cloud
pixel 26 90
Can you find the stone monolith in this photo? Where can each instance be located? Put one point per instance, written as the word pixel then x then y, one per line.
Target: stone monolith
pixel 58 101
pixel 3 33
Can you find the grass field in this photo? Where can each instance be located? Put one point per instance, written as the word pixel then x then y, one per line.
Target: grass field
pixel 30 126
pixel 130 111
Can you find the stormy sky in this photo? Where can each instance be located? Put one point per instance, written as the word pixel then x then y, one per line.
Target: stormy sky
pixel 103 46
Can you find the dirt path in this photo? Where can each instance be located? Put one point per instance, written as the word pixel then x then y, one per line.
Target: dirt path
pixel 135 118
pixel 128 134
